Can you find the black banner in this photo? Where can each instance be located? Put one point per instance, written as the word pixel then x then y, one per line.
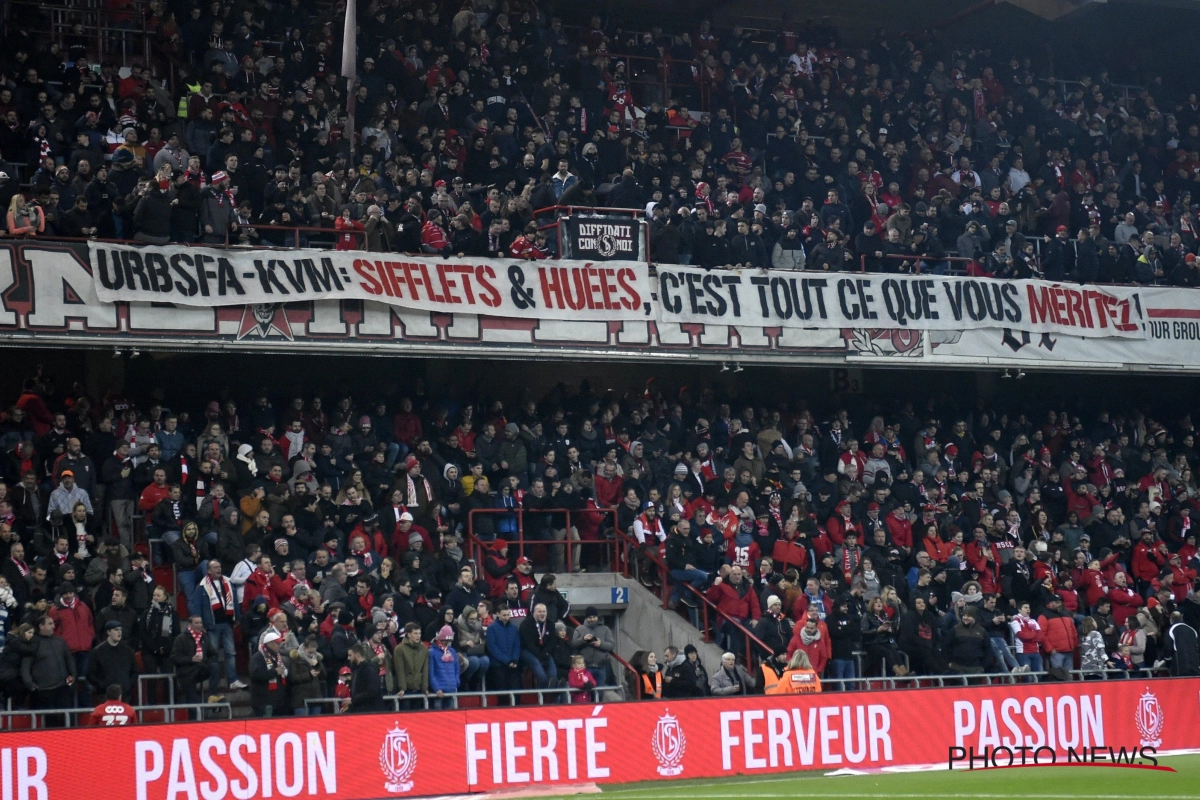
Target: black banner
pixel 604 238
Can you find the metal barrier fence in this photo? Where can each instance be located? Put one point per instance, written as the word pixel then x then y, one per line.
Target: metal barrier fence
pixel 75 717
pixel 406 701
pixel 572 549
pixel 867 683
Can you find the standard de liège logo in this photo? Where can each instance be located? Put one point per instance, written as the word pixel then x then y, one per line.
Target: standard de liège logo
pixel 398 760
pixel 668 745
pixel 1149 719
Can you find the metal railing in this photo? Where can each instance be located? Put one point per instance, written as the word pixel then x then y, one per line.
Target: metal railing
pixel 112 33
pixel 572 557
pixel 405 702
pixel 325 238
pixel 75 717
pixel 869 683
pixel 657 577
pixel 919 262
pixel 753 648
pixel 654 79
pixel 625 665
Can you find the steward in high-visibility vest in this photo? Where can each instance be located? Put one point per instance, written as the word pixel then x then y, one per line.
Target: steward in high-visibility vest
pixel 650 674
pixel 182 109
pixel 798 678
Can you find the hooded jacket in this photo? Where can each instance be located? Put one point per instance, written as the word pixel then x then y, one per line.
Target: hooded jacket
pixel 231 547
pixel 412 667
pixel 74 624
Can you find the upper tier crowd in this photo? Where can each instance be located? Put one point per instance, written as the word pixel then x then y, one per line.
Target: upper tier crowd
pixel 774 149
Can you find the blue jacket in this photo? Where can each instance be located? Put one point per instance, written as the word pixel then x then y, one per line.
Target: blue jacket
pixel 443 675
pixel 504 643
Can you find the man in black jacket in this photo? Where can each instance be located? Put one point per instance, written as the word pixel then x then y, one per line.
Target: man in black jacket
pixel 712 248
pixel 50 673
pixel 680 566
pixel 1180 643
pixel 117 476
pixel 747 247
pixel 683 674
pixel 366 694
pixel 969 646
pixel 112 662
pixel 538 643
pixel 1087 258
pixel 774 629
pixel 193 653
pixel 1054 256
pixel 152 214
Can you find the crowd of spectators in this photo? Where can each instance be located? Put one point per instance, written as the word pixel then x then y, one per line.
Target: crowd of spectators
pixel 775 149
pixel 298 543
pixel 330 550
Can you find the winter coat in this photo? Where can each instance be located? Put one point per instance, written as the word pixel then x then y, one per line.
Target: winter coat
pixel 411 662
pixel 1059 632
pixel 75 625
pixel 109 664
pixel 788 254
pixel 593 656
pixel 443 673
pixel 475 634
pixel 304 685
pixel 187 671
pixel 366 694
pixel 1094 656
pixel 267 687
pixel 217 212
pixel 50 664
pixel 739 602
pixel 723 682
pixel 504 642
pixel 969 646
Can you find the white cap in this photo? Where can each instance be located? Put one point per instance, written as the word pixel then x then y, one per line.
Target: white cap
pixel 774 600
pixel 270 635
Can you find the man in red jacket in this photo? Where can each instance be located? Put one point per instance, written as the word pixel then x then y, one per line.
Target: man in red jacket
pixel 734 597
pixel 1125 601
pixel 814 641
pixel 73 622
pixel 899 527
pixel 260 583
pixel 1060 639
pixel 155 492
pixel 608 486
pixel 1149 558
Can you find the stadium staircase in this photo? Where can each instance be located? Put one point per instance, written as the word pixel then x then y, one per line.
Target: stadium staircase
pixel 640 621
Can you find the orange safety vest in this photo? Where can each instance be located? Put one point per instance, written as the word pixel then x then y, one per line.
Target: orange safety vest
pixel 793 681
pixel 652 689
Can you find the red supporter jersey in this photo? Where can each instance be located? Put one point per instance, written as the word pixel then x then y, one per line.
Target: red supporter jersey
pixel 113 712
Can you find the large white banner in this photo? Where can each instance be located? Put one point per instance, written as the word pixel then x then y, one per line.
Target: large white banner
pixel 853 300
pixel 198 276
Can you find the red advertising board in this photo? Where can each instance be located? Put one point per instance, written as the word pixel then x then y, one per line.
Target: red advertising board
pixel 454 752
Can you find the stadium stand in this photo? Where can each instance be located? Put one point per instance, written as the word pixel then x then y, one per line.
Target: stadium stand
pixel 469 120
pixel 292 541
pixel 326 553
